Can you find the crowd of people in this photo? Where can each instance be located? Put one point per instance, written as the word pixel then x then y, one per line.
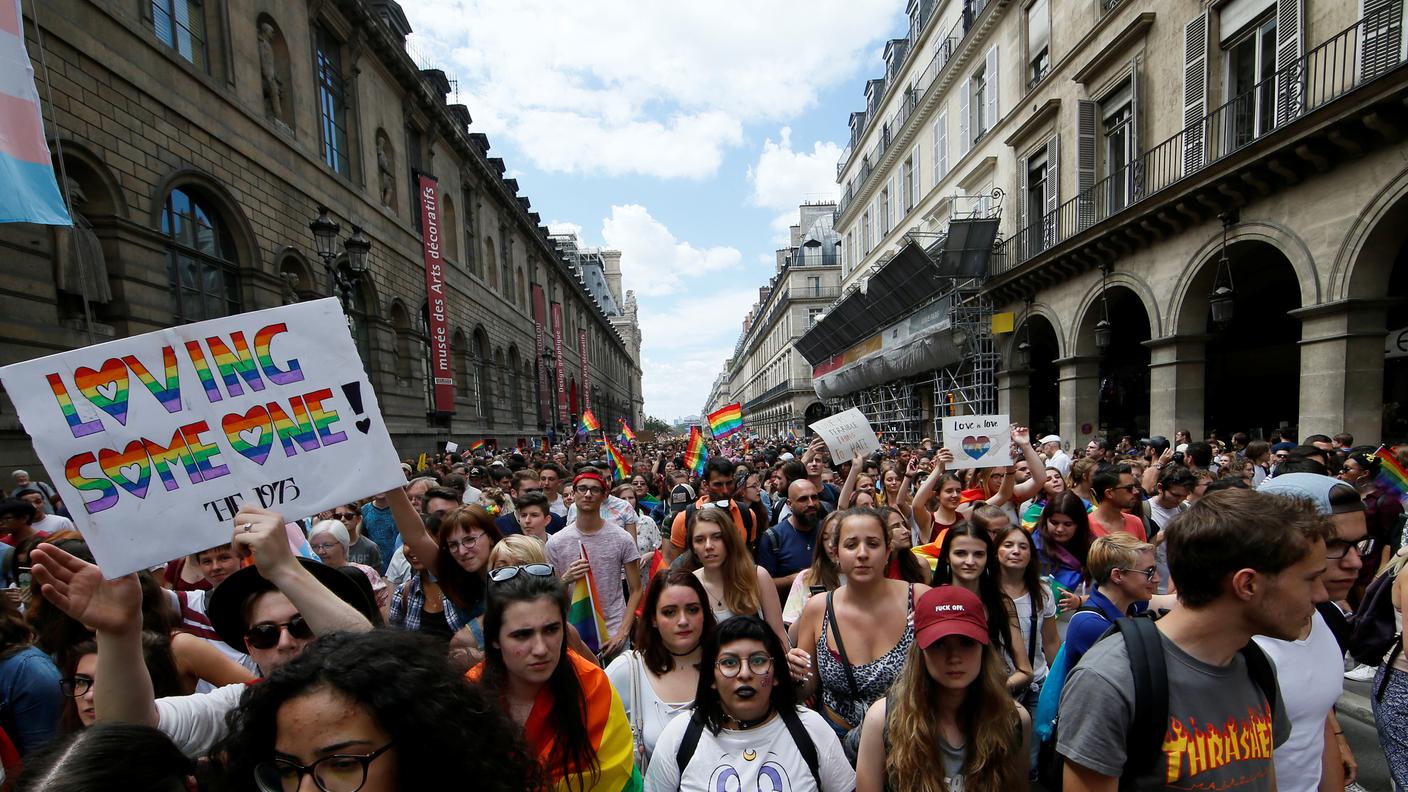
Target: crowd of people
pixel 1147 614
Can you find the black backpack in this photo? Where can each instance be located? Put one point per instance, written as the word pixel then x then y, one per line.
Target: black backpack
pixel 1373 628
pixel 695 729
pixel 1145 737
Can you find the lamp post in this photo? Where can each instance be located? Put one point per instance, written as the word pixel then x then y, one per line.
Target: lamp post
pixel 1104 331
pixel 357 247
pixel 1222 301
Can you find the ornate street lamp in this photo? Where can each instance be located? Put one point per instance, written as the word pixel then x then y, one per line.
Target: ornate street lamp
pixel 1104 331
pixel 1222 301
pixel 325 230
pixel 357 248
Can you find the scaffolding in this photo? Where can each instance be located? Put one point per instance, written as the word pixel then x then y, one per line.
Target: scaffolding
pixel 895 409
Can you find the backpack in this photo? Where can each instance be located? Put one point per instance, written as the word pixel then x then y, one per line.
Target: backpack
pixel 1373 628
pixel 805 746
pixel 1145 736
pixel 750 531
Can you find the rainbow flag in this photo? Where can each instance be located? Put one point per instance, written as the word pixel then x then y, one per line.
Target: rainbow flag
pixel 584 613
pixel 477 446
pixel 589 422
pixel 623 468
pixel 649 502
pixel 1391 476
pixel 726 420
pixel 626 431
pixel 695 454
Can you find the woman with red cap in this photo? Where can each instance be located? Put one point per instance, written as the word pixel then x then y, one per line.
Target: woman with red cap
pixel 950 701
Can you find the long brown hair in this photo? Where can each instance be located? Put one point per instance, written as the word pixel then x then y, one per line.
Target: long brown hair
pixel 823 571
pixel 741 595
pixel 464 588
pixel 649 644
pixel 987 716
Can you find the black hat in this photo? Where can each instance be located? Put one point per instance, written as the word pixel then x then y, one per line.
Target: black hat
pixel 226 601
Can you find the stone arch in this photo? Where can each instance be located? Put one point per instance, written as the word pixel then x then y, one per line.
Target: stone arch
pixel 385 152
pixel 1366 256
pixel 449 226
pixel 241 230
pixel 1081 338
pixel 102 193
pixel 1036 310
pixel 275 71
pixel 1187 307
pixel 296 273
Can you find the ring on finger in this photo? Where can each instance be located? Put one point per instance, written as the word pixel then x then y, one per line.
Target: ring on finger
pixel 247 527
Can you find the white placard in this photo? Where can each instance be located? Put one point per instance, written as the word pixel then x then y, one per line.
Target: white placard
pixel 847 434
pixel 978 441
pixel 451 446
pixel 155 441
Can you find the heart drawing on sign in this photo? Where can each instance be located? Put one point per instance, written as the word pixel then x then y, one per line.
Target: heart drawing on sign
pixel 977 447
pixel 251 436
pixel 364 425
pixel 132 472
pixel 108 390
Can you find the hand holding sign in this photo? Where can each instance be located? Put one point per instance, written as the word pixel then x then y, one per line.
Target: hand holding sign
pixel 847 434
pixel 978 441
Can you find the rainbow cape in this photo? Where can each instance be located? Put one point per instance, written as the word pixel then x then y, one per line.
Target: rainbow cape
pixel 695 454
pixel 726 420
pixel 623 468
pixel 1391 476
pixel 584 613
pixel 626 431
pixel 589 422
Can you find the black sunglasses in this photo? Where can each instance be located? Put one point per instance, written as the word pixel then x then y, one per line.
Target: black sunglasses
pixel 265 635
pixel 510 572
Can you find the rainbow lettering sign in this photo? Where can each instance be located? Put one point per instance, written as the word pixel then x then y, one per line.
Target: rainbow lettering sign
pixel 156 441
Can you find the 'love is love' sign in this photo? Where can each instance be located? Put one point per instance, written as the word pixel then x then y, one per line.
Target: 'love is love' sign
pixel 155 441
pixel 978 441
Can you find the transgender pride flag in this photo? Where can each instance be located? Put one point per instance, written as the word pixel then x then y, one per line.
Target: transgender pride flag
pixel 28 192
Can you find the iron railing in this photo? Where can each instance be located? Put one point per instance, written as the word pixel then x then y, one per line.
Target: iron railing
pixel 777 390
pixel 1363 52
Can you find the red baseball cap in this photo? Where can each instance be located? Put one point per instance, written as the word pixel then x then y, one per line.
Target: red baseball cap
pixel 949 610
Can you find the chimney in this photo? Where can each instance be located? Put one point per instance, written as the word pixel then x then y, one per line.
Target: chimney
pixel 611 267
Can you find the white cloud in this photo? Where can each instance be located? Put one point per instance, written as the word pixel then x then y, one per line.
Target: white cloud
pixel 564 227
pixel 653 261
pixel 625 87
pixel 685 342
pixel 783 178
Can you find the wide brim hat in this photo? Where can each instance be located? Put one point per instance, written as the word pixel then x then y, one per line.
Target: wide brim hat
pixel 226 601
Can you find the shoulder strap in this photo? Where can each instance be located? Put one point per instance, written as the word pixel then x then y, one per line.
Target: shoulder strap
pixel 689 741
pixel 803 741
pixel 774 541
pixel 1260 670
pixel 1031 632
pixel 1146 659
pixel 841 647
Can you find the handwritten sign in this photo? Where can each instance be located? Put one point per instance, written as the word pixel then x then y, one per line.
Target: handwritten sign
pixel 847 434
pixel 160 438
pixel 451 446
pixel 978 441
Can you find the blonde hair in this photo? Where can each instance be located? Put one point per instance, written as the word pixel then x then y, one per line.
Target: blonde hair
pixel 516 550
pixel 1113 551
pixel 740 574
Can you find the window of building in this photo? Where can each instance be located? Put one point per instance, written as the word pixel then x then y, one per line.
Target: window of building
pixel 1038 41
pixel 811 255
pixel 1118 149
pixel 332 100
pixel 1035 199
pixel 977 111
pixel 884 211
pixel 1250 56
pixel 470 244
pixel 865 234
pixel 505 254
pixel 941 145
pixel 180 25
pixel 201 266
pixel 980 100
pixel 414 160
pixel 909 185
pixel 482 385
pixel 814 284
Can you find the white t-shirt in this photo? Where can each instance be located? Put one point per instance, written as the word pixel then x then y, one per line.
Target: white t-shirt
pixel 1308 672
pixel 743 759
pixel 52 524
pixel 196 722
pixel 1024 622
pixel 654 713
pixel 1161 517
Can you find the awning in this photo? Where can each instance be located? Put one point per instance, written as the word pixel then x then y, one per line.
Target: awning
pixel 917 344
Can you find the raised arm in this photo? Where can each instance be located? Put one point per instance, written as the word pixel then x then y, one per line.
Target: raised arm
pixel 1021 493
pixel 848 490
pixel 261 532
pixel 904 501
pixel 412 529
pixel 926 491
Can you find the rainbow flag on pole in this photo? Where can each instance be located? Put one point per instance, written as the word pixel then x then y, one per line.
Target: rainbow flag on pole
pixel 695 454
pixel 626 433
pixel 726 420
pixel 589 422
pixel 584 613
pixel 477 446
pixel 1391 476
pixel 623 468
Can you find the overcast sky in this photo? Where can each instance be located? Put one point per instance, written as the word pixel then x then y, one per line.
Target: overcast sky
pixel 682 134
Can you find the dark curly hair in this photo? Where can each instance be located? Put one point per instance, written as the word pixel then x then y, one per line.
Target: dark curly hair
pixel 708 706
pixel 444 727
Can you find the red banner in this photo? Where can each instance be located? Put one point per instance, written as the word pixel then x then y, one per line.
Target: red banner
pixel 586 384
pixel 539 364
pixel 437 302
pixel 557 353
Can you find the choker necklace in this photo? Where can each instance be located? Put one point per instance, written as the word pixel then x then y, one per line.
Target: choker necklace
pixel 680 654
pixel 745 725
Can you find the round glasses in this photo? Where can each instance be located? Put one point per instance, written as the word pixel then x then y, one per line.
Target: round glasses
pixel 730 665
pixel 510 572
pixel 334 773
pixel 469 540
pixel 76 685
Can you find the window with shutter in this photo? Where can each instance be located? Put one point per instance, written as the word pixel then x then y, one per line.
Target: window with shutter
pixel 1195 92
pixel 990 109
pixel 1136 162
pixel 965 142
pixel 1053 191
pixel 1290 69
pixel 1085 163
pixel 1383 37
pixel 941 146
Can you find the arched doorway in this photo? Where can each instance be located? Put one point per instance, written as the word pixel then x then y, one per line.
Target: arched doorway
pixel 1042 349
pixel 1124 365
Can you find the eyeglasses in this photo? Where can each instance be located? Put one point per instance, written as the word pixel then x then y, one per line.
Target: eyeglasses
pixel 1336 549
pixel 510 572
pixel 470 539
pixel 585 490
pixel 730 665
pixel 1147 573
pixel 265 635
pixel 335 773
pixel 75 685
pixel 344 516
pixel 323 548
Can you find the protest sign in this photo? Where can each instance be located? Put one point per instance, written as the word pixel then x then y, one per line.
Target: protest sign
pixel 451 446
pixel 978 441
pixel 155 441
pixel 847 434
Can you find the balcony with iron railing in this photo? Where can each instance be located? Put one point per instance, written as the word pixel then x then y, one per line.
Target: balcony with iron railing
pixel 777 391
pixel 1350 60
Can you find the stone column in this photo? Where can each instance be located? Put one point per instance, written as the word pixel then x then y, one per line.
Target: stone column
pixel 1177 374
pixel 1014 395
pixel 1342 368
pixel 1079 381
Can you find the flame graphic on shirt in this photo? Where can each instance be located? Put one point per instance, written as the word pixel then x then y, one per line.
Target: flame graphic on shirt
pixel 1192 749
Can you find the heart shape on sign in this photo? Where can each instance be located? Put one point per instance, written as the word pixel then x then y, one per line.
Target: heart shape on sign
pixel 254 424
pixel 105 387
pixel 977 447
pixel 364 425
pixel 129 469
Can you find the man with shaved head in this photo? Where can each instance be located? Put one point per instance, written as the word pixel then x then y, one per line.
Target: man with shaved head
pixel 786 548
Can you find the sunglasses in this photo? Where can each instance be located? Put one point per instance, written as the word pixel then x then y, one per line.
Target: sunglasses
pixel 265 635
pixel 343 516
pixel 1147 573
pixel 510 572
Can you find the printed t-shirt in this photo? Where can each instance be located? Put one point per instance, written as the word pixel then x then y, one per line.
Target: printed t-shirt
pixel 1220 731
pixel 721 761
pixel 609 550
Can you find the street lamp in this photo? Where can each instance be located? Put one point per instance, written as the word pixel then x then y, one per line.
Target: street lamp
pixel 357 247
pixel 1222 301
pixel 1104 331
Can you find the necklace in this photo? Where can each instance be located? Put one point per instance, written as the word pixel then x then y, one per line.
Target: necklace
pixel 745 725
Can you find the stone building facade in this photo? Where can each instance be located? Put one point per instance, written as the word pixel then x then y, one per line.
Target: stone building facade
pixel 200 138
pixel 1201 205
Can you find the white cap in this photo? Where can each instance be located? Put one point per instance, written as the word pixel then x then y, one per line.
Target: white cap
pixel 1050 439
pixel 786 456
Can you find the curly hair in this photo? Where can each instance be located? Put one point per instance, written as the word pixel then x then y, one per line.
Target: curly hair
pixel 405 683
pixel 708 705
pixel 988 717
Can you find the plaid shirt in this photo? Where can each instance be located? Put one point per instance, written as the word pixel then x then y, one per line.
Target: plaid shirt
pixel 408 602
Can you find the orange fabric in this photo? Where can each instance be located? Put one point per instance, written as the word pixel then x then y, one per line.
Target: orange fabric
pixel 1132 526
